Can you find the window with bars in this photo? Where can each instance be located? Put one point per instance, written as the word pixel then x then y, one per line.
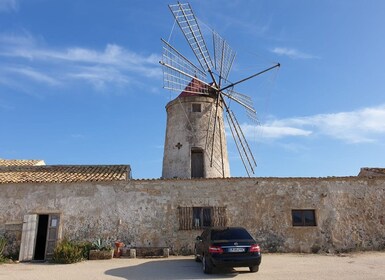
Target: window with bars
pixel 201 217
pixel 303 218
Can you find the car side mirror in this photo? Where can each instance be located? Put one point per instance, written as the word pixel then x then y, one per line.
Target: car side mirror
pixel 198 238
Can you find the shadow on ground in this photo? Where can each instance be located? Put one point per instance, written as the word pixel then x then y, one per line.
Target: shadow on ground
pixel 169 269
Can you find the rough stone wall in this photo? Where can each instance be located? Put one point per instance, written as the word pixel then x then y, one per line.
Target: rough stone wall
pixel 350 211
pixel 194 130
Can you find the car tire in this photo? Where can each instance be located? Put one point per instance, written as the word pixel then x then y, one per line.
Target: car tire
pixel 206 265
pixel 254 268
pixel 197 258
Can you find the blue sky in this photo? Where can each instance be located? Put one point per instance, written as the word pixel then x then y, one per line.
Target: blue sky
pixel 80 82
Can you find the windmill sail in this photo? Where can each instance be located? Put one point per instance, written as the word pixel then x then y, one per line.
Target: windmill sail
pixel 245 99
pixel 179 71
pixel 243 147
pixel 224 56
pixel 209 80
pixel 187 22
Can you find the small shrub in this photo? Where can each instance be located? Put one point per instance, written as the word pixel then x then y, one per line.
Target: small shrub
pixel 67 252
pixel 85 246
pixel 3 243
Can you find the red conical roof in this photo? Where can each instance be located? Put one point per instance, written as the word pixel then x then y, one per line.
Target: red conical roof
pixel 194 88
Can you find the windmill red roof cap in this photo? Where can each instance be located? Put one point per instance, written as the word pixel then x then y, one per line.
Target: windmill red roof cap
pixel 194 88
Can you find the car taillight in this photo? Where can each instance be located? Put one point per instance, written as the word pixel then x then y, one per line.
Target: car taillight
pixel 215 250
pixel 255 248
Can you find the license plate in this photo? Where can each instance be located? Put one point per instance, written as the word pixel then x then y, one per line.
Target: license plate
pixel 236 250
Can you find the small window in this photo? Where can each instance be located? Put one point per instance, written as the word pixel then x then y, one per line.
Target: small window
pixel 201 217
pixel 303 218
pixel 196 107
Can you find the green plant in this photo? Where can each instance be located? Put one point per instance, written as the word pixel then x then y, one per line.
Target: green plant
pixel 85 246
pixel 3 243
pixel 102 245
pixel 67 252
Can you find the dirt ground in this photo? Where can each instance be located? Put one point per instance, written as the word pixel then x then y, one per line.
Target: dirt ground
pixel 369 265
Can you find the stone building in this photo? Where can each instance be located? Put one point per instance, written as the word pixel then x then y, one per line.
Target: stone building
pixel 195 142
pixel 41 204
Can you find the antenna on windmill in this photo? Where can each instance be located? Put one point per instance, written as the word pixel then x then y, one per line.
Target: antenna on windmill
pixel 208 78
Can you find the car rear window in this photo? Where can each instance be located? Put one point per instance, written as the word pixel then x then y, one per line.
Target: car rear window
pixel 230 234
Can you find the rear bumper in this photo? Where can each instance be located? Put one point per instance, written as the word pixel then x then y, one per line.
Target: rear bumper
pixel 230 261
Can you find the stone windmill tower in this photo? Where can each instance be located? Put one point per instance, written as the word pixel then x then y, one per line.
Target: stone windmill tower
pixel 192 148
pixel 195 144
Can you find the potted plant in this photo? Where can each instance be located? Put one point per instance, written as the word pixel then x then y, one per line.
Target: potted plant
pixel 101 250
pixel 118 249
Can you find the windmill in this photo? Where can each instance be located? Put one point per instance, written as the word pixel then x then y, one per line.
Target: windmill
pixel 195 144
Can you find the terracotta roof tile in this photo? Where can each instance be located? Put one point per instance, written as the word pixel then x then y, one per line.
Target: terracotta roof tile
pixel 194 88
pixel 21 162
pixel 369 171
pixel 64 173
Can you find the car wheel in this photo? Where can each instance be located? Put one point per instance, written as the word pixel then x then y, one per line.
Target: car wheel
pixel 197 258
pixel 254 268
pixel 206 265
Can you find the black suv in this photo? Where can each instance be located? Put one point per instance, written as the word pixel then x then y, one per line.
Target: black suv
pixel 227 247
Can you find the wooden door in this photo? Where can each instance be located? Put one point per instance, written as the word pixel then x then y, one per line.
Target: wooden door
pixel 196 164
pixel 52 235
pixel 28 237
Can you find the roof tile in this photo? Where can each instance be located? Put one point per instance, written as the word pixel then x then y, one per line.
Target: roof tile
pixel 21 162
pixel 64 173
pixel 371 171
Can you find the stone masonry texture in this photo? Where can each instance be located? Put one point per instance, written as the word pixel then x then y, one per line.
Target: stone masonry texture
pixel 350 211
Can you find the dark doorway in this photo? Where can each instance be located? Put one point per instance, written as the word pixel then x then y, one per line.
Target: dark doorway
pixel 41 238
pixel 196 163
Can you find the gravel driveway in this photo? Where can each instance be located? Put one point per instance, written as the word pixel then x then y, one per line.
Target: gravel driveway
pixel 369 265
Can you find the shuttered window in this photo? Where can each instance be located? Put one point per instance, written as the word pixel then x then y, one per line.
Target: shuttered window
pixel 201 217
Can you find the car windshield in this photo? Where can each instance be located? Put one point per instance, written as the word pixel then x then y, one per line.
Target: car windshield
pixel 230 234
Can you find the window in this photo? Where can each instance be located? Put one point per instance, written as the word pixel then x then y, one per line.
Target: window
pixel 196 107
pixel 201 217
pixel 303 218
pixel 230 234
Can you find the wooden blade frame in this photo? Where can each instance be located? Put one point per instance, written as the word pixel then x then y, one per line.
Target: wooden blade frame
pixel 224 57
pixel 210 142
pixel 243 147
pixel 179 74
pixel 178 71
pixel 188 24
pixel 245 99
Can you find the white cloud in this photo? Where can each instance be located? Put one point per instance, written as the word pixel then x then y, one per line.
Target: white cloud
pixel 35 75
pixel 292 53
pixel 364 125
pixel 9 6
pixel 11 40
pixel 114 65
pixel 281 131
pixel 99 77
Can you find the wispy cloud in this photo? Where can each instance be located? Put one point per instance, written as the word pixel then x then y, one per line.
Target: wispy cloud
pixel 293 53
pixel 113 65
pixel 35 75
pixel 9 6
pixel 360 126
pixel 100 77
